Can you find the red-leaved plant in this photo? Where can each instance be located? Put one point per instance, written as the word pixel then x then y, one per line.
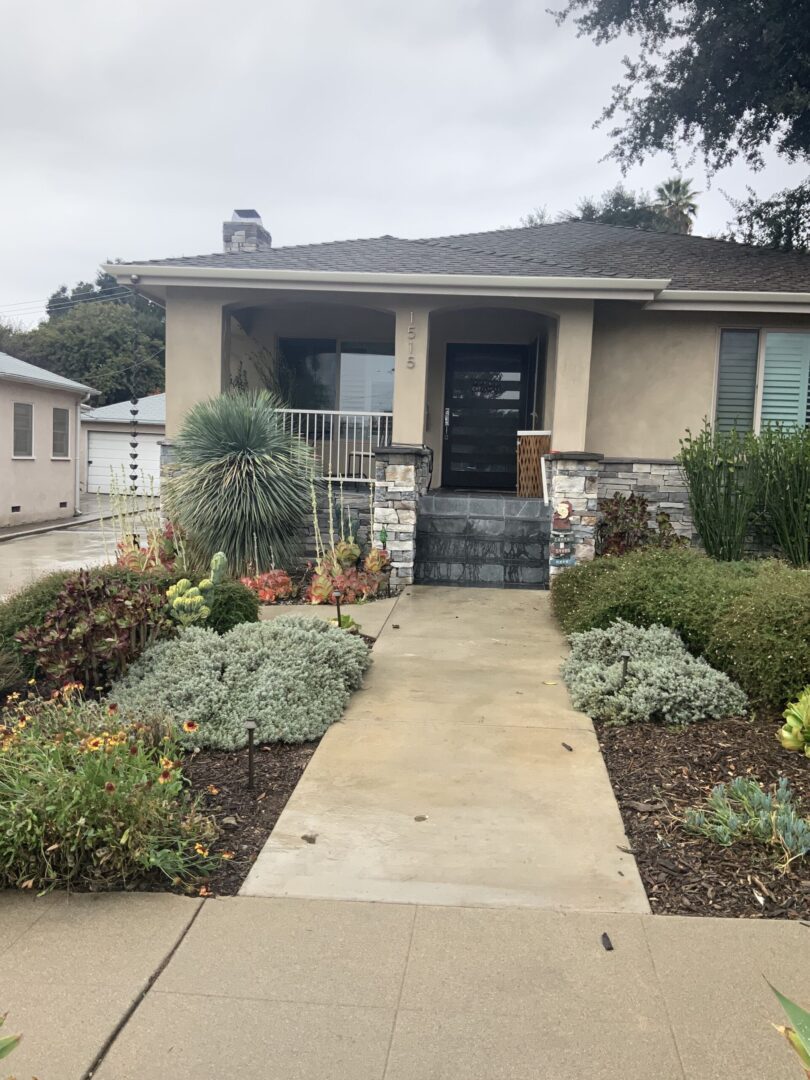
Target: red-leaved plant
pixel 270 587
pixel 96 628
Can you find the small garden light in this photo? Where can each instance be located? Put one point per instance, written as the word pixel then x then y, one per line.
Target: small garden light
pixel 336 596
pixel 625 658
pixel 250 727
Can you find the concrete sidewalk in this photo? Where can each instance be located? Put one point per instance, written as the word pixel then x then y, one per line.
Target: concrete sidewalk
pixel 279 989
pixel 460 775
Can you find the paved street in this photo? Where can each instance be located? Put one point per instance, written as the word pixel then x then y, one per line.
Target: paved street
pixel 28 557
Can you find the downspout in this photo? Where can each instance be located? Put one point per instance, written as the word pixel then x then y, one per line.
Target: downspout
pixel 77 448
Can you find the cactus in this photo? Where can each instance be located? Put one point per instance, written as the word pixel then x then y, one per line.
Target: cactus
pixel 219 566
pixel 795 732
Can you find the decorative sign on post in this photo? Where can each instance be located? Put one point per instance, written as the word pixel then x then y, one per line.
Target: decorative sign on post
pixel 562 516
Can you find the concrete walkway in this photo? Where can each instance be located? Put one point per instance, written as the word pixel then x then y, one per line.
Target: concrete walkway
pixel 461 774
pixel 162 988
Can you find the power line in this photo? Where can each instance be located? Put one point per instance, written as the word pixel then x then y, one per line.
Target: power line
pixel 67 302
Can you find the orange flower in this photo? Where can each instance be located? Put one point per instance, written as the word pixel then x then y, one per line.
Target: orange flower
pixel 213 790
pixel 190 726
pixel 227 855
pixel 109 787
pixel 201 850
pixel 94 744
pixel 165 776
pixel 112 708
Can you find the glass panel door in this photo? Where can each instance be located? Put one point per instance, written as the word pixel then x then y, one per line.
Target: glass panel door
pixel 486 404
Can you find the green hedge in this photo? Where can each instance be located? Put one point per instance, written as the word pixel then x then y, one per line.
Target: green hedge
pixel 749 619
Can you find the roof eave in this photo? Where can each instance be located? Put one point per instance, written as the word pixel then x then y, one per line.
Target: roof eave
pixel 730 300
pixel 79 389
pixel 591 288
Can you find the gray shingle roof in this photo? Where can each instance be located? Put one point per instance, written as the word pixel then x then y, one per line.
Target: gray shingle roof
pixel 22 371
pixel 151 410
pixel 565 249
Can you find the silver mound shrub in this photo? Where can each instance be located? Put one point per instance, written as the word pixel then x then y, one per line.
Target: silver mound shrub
pixel 664 683
pixel 293 676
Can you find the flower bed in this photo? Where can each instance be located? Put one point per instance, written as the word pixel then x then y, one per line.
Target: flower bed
pixel 658 773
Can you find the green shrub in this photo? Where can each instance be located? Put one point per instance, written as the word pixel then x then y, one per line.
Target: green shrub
pixel 664 682
pixel 28 607
pixel 749 619
pixel 742 811
pixel 292 675
pixel 784 489
pixel 243 482
pixel 721 470
pixel 232 603
pixel 88 801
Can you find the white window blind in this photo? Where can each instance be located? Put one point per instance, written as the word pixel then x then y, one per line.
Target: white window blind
pixel 23 429
pixel 785 383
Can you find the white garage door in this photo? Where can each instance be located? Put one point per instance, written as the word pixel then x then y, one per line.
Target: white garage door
pixel 108 456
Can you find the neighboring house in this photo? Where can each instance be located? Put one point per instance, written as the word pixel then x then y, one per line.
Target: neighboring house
pixel 613 340
pixel 106 438
pixel 39 478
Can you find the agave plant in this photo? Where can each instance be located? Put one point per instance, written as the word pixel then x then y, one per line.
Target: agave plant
pixel 243 482
pixel 798 1036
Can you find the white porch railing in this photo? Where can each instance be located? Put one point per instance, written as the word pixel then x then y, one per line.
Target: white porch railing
pixel 343 442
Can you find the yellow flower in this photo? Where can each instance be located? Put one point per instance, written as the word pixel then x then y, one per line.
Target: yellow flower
pixel 203 851
pixel 94 744
pixel 227 855
pixel 213 790
pixel 190 726
pixel 165 776
pixel 32 682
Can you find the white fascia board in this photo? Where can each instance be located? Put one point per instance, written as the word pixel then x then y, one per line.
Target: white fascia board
pixel 79 389
pixel 730 300
pixel 411 284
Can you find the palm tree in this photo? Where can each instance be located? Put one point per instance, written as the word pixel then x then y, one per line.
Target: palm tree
pixel 676 202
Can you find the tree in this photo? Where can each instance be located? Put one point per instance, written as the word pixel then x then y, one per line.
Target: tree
pixel 781 222
pixel 728 77
pixel 675 201
pixel 635 209
pixel 99 334
pixel 538 216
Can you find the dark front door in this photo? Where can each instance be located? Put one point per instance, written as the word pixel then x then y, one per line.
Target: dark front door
pixel 486 403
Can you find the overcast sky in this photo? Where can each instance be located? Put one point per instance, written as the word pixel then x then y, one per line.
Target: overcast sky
pixel 133 130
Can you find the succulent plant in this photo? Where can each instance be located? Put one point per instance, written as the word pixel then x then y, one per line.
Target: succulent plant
pixel 795 732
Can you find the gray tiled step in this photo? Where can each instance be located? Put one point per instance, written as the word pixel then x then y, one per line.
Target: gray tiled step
pixel 519 528
pixel 485 506
pixel 450 548
pixel 495 575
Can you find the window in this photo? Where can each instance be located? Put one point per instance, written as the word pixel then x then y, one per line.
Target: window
pixel 322 373
pixel 61 433
pixel 23 430
pixel 780 361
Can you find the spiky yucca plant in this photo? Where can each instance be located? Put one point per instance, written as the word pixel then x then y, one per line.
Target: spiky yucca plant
pixel 243 482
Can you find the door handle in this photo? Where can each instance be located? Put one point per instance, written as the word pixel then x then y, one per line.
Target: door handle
pixel 446 423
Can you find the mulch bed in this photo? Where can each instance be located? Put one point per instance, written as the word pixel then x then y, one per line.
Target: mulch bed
pixel 659 772
pixel 244 817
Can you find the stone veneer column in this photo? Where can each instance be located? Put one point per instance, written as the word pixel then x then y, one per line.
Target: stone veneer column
pixel 574 504
pixel 402 475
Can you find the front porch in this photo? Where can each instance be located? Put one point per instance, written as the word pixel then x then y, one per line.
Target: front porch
pixel 401 400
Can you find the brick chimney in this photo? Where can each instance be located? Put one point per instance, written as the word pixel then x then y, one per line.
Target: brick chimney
pixel 245 232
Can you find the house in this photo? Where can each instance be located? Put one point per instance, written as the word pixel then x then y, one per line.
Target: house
pixel 106 438
pixel 39 477
pixel 417 362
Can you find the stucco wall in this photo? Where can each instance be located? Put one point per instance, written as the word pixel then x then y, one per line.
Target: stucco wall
pixel 653 375
pixel 39 484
